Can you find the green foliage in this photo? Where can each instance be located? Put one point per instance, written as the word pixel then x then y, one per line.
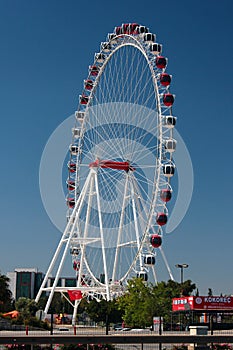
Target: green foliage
pixel 26 307
pixel 143 301
pixel 6 300
pixel 100 311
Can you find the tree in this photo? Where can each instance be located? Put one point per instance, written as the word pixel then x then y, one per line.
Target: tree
pixel 142 301
pixel 100 311
pixel 6 299
pixel 26 307
pixel 136 304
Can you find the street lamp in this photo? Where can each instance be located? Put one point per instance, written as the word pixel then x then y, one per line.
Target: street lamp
pixel 181 267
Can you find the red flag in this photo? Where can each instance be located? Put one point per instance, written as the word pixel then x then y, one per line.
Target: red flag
pixel 75 294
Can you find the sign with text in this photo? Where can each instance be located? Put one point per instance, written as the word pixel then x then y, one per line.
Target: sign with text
pixel 204 303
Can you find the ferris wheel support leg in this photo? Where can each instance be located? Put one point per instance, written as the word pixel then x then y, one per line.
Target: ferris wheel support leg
pixel 136 222
pixel 75 212
pixel 102 239
pixel 120 228
pixel 83 247
pixel 76 304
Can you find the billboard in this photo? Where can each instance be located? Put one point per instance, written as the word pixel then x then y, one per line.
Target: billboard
pixel 203 303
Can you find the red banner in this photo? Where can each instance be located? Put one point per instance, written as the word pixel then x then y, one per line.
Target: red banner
pixel 203 303
pixel 75 294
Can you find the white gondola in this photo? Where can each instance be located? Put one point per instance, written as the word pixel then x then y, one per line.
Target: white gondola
pixel 156 48
pixel 149 38
pixel 169 121
pixel 105 47
pixel 168 170
pixel 74 251
pixel 74 150
pixel 143 275
pixel 99 57
pixel 170 145
pixel 79 116
pixel 142 30
pixel 112 38
pixel 76 132
pixel 149 259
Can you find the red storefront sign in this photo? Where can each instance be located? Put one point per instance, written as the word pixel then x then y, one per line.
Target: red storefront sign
pixel 202 303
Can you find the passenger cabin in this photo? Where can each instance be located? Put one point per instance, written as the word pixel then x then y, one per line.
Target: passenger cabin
pixel 161 219
pixel 156 48
pixel 165 79
pixel 88 84
pixel 105 46
pixel 169 121
pixel 76 132
pixel 74 251
pixel 168 170
pixel 74 150
pixel 83 99
pixel 170 145
pixel 149 259
pixel 112 38
pixel 143 275
pixel 70 202
pixel 155 240
pixel 72 167
pixel 99 57
pixel 165 195
pixel 168 99
pixel 149 38
pixel 142 30
pixel 94 70
pixel 161 62
pixel 70 185
pixel 79 116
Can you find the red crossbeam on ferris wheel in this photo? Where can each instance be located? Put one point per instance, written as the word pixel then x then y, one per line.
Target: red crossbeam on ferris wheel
pixel 110 164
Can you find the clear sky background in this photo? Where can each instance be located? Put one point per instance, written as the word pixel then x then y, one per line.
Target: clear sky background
pixel 46 47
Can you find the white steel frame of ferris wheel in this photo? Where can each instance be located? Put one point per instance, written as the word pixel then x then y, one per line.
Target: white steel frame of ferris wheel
pixel 90 188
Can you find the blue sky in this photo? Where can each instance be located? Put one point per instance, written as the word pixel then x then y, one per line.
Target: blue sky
pixel 46 48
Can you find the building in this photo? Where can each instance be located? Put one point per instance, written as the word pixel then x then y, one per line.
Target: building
pixel 26 282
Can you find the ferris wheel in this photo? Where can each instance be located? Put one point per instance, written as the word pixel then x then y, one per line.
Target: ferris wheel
pixel 119 169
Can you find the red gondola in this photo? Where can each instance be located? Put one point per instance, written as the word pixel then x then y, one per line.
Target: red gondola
pixel 70 185
pixel 168 99
pixel 155 240
pixel 118 30
pixel 161 219
pixel 84 99
pixel 161 62
pixel 134 28
pixel 165 195
pixel 76 265
pixel 94 70
pixel 71 202
pixel 72 167
pixel 165 79
pixel 88 84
